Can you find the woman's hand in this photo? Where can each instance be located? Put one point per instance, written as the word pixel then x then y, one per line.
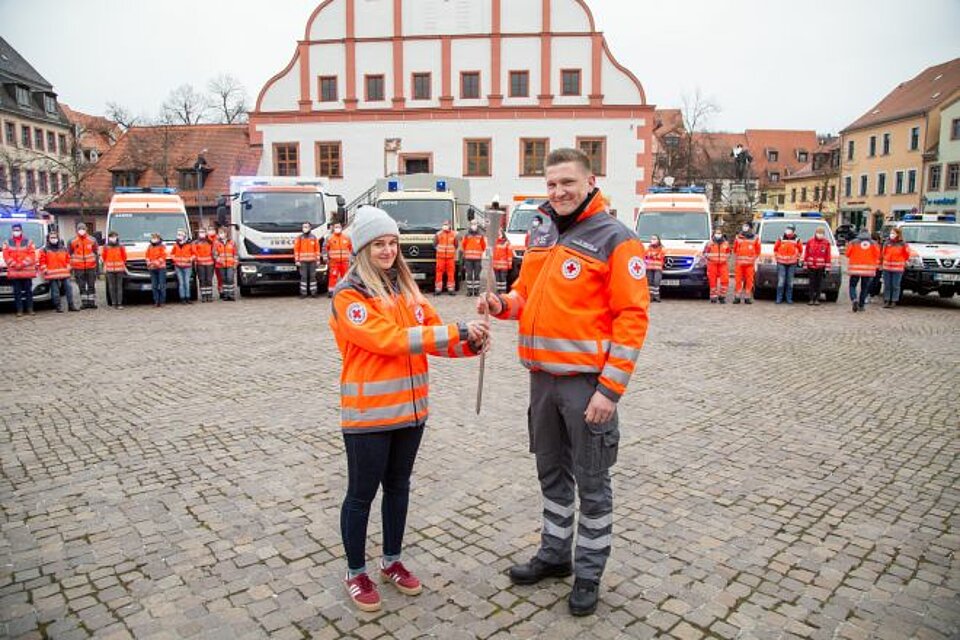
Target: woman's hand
pixel 478 331
pixel 489 303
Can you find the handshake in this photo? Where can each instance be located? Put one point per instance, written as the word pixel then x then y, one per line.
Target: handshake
pixel 478 331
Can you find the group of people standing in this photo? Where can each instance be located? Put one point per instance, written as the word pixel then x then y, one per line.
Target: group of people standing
pixel 474 245
pixel 866 258
pixel 309 251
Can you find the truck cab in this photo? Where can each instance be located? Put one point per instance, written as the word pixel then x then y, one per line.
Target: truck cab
pixel 770 227
pixel 934 264
pixel 35 227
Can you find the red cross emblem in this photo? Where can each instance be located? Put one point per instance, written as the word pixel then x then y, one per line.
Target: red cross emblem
pixel 357 313
pixel 637 268
pixel 418 314
pixel 570 268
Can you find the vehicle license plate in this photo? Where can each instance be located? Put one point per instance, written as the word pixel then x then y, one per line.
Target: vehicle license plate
pixel 6 290
pixel 948 277
pixel 801 281
pixel 419 276
pixel 286 267
pixel 669 283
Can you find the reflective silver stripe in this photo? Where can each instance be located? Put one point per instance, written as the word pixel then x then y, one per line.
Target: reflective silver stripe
pixel 597 523
pixel 556 530
pixel 621 351
pixel 415 335
pixel 391 412
pixel 557 509
pixel 616 375
pixel 565 345
pixel 559 369
pixel 597 544
pixel 441 337
pixel 383 387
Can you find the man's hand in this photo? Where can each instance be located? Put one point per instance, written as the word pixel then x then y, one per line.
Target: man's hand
pixel 600 409
pixel 478 331
pixel 489 303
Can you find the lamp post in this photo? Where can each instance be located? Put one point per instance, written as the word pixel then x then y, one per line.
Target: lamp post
pixel 199 166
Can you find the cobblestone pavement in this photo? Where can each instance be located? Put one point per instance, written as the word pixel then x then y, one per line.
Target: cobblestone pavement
pixel 785 472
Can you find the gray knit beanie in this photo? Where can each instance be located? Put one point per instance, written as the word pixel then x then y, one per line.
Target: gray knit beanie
pixel 370 223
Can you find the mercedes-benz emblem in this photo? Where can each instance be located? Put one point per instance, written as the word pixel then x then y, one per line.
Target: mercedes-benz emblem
pixel 948 263
pixel 414 251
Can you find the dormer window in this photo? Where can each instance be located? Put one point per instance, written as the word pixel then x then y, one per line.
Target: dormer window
pixel 125 177
pixel 49 103
pixel 773 155
pixel 23 96
pixel 802 156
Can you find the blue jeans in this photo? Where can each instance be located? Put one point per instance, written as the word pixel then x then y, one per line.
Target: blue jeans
pixel 59 288
pixel 891 285
pixel 158 285
pixel 375 459
pixel 22 293
pixel 785 281
pixel 184 276
pixel 865 282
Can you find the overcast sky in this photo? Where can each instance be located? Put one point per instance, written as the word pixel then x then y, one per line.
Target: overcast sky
pixel 791 64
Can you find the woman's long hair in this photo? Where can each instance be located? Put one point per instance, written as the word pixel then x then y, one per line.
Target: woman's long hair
pixel 380 283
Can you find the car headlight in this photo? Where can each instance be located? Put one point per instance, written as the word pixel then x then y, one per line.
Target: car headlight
pixel 248 268
pixel 700 262
pixel 915 262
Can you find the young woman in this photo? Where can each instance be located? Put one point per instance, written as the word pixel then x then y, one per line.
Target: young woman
pixel 502 261
pixel 653 258
pixel 157 266
pixel 816 259
pixel 384 329
pixel 893 256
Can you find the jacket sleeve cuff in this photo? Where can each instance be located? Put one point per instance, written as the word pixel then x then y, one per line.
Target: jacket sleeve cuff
pixel 462 328
pixel 607 392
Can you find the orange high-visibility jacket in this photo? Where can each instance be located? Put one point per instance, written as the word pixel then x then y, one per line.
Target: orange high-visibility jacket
pixel 717 252
pixel 55 263
pixel 225 254
pixel 183 254
pixel 895 256
pixel 306 248
pixel 582 303
pixel 502 255
pixel 114 257
pixel 446 244
pixel 653 257
pixel 203 250
pixel 474 244
pixel 746 250
pixel 384 381
pixel 863 257
pixel 20 256
pixel 157 256
pixel 788 250
pixel 338 248
pixel 83 253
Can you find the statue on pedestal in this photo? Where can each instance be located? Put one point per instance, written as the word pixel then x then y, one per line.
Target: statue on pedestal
pixel 741 161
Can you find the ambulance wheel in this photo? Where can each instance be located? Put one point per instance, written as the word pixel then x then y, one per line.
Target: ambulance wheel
pixel 946 292
pixel 832 296
pixel 244 291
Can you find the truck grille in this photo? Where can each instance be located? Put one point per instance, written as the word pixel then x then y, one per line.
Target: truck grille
pixel 930 263
pixel 677 263
pixel 419 252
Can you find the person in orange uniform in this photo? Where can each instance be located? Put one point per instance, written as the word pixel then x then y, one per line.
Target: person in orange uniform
pixel 306 255
pixel 863 260
pixel 20 256
pixel 445 244
pixel 114 258
pixel 746 250
pixel 55 269
pixel 225 259
pixel 788 252
pixel 816 259
pixel 83 264
pixel 502 261
pixel 336 253
pixel 582 304
pixel 183 258
pixel 385 329
pixel 157 266
pixel 653 258
pixel 894 256
pixel 474 245
pixel 717 254
pixel 203 250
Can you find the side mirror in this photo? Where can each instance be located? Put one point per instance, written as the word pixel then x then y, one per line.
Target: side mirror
pixel 223 216
pixel 471 215
pixel 341 202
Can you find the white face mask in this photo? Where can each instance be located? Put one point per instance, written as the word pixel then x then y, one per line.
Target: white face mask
pixel 223 236
pixel 17 234
pixel 81 232
pixel 54 240
pixel 337 229
pixel 181 237
pixel 306 229
pixel 820 236
pixel 717 236
pixel 746 229
pixel 893 236
pixel 445 227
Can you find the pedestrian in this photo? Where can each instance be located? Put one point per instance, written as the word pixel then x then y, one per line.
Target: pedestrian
pixel 83 264
pixel 384 329
pixel 474 246
pixel 746 250
pixel 213 234
pixel 788 252
pixel 203 252
pixel 502 261
pixel 157 266
pixel 20 256
pixel 653 258
pixel 225 259
pixel 863 260
pixel 183 255
pixel 336 253
pixel 717 254
pixel 816 259
pixel 55 269
pixel 306 255
pixel 445 245
pixel 894 256
pixel 582 305
pixel 533 232
pixel 540 234
pixel 114 259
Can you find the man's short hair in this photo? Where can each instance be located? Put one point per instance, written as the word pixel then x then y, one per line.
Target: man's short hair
pixel 566 154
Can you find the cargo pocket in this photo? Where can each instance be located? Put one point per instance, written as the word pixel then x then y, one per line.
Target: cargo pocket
pixel 601 444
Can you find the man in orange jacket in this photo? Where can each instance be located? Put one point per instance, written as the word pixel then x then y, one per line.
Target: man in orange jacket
pixel 225 260
pixel 20 256
pixel 114 259
pixel 863 260
pixel 788 252
pixel 306 255
pixel 336 252
pixel 746 249
pixel 55 269
pixel 717 254
pixel 582 303
pixel 83 263
pixel 445 244
pixel 474 246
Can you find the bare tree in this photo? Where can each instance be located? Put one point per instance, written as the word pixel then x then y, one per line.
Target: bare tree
pixel 122 116
pixel 185 105
pixel 228 99
pixel 697 111
pixel 153 147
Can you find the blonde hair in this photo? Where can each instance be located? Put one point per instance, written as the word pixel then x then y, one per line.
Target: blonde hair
pixel 378 282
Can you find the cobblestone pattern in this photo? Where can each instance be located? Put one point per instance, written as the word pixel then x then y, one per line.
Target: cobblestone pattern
pixel 785 472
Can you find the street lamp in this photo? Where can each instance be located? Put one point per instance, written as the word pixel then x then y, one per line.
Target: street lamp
pixel 199 166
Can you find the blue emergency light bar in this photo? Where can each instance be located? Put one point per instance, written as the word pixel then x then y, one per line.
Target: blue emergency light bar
pixel 441 185
pixel 691 189
pixel 916 217
pixel 811 214
pixel 773 214
pixel 393 186
pixel 166 190
pixel 20 215
pixel 950 218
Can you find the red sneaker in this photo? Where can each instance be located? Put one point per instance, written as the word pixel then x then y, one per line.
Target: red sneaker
pixel 403 580
pixel 363 592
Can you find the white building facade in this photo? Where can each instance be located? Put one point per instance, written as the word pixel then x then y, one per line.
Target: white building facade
pixel 479 89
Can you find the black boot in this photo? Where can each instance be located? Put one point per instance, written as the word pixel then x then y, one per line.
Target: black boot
pixel 584 596
pixel 536 570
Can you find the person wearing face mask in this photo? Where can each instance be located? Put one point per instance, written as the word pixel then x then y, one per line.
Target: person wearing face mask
pixel 20 256
pixel 445 243
pixel 816 259
pixel 225 259
pixel 183 256
pixel 114 259
pixel 306 254
pixel 83 263
pixel 653 257
pixel 717 254
pixel 385 329
pixel 863 260
pixel 336 253
pixel 474 245
pixel 203 250
pixel 746 250
pixel 541 234
pixel 502 261
pixel 157 266
pixel 788 252
pixel 894 256
pixel 55 269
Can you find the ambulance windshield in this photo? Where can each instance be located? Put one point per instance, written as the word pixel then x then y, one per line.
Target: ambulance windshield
pixel 520 220
pixel 137 227
pixel 773 230
pixel 932 234
pixel 277 211
pixel 674 226
pixel 418 216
